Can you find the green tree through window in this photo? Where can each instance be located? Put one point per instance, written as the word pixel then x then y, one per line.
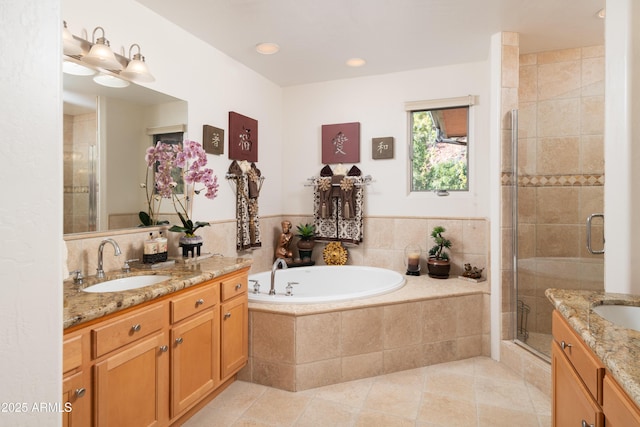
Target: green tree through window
pixel 439 149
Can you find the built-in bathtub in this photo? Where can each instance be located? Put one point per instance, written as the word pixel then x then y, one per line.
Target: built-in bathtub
pixel 323 284
pixel 298 346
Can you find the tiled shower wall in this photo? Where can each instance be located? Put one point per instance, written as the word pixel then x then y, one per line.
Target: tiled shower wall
pixel 560 175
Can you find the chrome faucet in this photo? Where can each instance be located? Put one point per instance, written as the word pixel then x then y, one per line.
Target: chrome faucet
pixel 116 248
pixel 280 262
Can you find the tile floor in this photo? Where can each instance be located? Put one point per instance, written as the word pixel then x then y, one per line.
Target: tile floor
pixel 472 392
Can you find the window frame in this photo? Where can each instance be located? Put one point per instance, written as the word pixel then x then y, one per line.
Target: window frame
pixel 445 103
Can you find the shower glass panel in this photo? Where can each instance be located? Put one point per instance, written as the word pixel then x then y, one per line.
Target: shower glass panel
pixel 558 171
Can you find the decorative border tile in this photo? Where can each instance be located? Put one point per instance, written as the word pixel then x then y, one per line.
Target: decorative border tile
pixel 578 180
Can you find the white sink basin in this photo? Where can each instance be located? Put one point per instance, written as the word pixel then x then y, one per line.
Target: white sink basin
pixel 127 283
pixel 626 316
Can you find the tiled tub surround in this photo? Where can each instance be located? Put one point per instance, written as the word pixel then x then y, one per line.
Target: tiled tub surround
pixel 618 348
pixel 428 321
pixel 80 306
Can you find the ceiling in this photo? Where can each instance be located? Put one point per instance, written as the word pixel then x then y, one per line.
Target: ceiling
pixel 316 37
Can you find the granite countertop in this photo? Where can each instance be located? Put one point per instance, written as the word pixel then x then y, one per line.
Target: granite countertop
pixel 80 307
pixel 617 347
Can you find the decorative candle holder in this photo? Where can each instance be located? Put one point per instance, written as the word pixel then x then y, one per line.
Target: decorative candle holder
pixel 412 254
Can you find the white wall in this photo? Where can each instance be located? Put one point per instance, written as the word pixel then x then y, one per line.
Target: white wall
pixel 622 152
pixel 31 210
pixel 377 102
pixel 211 82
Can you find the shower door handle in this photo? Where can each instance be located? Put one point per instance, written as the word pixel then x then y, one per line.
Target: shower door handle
pixel 589 247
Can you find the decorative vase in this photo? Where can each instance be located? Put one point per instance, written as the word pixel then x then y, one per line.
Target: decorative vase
pixel 305 248
pixel 438 268
pixel 190 245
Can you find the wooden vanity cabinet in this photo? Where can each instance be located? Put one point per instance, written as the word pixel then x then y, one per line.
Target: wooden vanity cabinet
pixel 234 325
pixel 76 381
pixel 195 347
pixel 584 393
pixel 619 410
pixel 157 364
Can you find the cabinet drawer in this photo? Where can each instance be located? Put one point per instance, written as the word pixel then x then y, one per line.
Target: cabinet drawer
pixel 71 353
pixel 126 330
pixel 233 286
pixel 579 355
pixel 194 302
pixel 619 409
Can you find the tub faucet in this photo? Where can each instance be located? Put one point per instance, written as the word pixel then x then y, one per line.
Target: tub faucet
pixel 280 262
pixel 117 251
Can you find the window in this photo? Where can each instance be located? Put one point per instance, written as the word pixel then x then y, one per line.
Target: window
pixel 439 132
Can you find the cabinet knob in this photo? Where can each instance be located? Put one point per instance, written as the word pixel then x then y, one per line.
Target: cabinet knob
pixel 199 302
pixel 227 315
pixel 164 348
pixel 564 345
pixel 179 340
pixel 81 391
pixel 136 327
pixel 585 424
pixel 238 286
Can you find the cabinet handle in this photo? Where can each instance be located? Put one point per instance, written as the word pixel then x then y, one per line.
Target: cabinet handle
pixel 199 302
pixel 227 315
pixel 564 345
pixel 81 392
pixel 136 327
pixel 238 286
pixel 164 349
pixel 585 424
pixel 179 340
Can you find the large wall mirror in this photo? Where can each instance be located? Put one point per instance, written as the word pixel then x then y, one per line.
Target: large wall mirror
pixel 106 133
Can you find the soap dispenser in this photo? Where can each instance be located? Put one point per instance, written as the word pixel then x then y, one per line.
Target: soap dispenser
pixel 162 248
pixel 150 252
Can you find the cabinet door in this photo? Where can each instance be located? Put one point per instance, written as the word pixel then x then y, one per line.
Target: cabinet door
pixel 131 386
pixel 572 403
pixel 76 401
pixel 235 335
pixel 619 409
pixel 195 359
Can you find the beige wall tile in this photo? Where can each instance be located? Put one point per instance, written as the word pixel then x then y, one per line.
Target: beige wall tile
pixel 509 102
pixel 362 366
pixel 317 337
pixel 510 38
pixel 403 358
pixel 510 56
pixel 558 156
pixel 591 201
pixel 559 55
pixel 362 331
pixel 378 234
pixel 528 88
pixel 592 152
pixel 592 115
pixel 439 319
pixel 439 352
pixel 402 325
pixel 559 80
pixel 474 234
pixel 318 374
pixel 557 241
pixel 272 374
pixel 273 337
pixel 408 231
pixel 527 205
pixel 528 59
pixel 557 205
pixel 527 120
pixel 593 76
pixel 593 51
pixel 559 117
pixel 469 316
pixel 469 346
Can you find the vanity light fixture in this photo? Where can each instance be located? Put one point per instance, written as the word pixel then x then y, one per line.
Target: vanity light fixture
pixel 356 62
pixel 110 80
pixel 267 48
pixel 76 69
pixel 101 54
pixel 68 45
pixel 137 70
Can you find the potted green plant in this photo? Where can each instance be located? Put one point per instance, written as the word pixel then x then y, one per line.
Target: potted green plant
pixel 438 263
pixel 307 234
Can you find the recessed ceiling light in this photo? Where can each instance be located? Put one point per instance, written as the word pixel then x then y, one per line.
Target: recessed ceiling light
pixel 356 62
pixel 267 48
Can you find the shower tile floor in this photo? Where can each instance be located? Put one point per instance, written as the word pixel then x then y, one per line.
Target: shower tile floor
pixel 472 392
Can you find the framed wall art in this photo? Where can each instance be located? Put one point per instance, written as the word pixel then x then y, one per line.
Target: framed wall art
pixel 382 148
pixel 341 143
pixel 243 137
pixel 212 139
